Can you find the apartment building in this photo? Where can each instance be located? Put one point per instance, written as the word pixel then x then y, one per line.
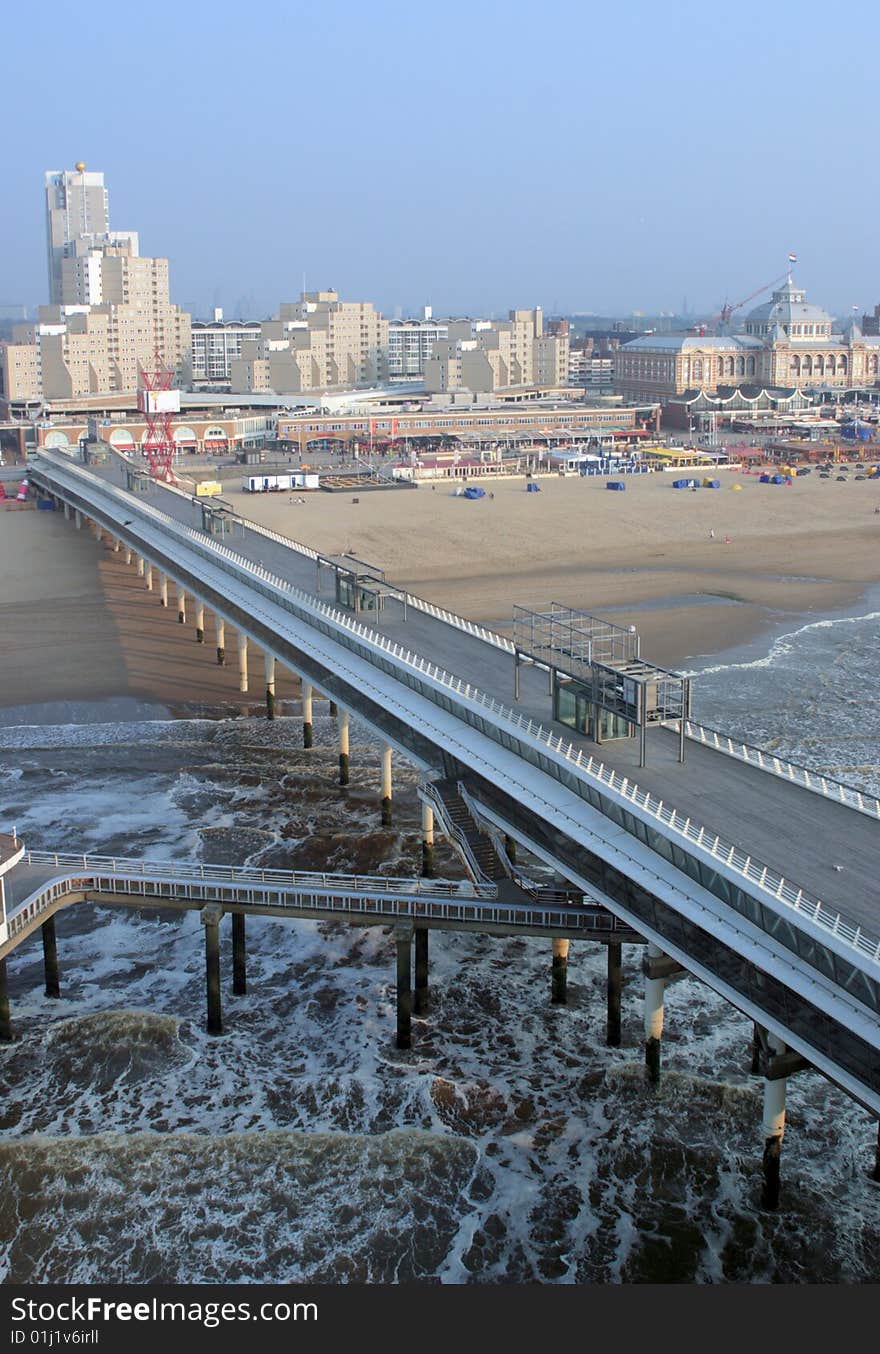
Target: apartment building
pixel 316 343
pixel 411 344
pixel 216 344
pixel 483 355
pixel 76 204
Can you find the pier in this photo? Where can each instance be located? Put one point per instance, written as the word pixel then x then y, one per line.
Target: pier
pixel 754 875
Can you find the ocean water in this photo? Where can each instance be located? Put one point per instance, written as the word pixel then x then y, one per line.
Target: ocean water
pixel 508 1146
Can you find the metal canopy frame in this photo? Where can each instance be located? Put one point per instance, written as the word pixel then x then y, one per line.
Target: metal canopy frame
pixel 575 646
pixel 365 578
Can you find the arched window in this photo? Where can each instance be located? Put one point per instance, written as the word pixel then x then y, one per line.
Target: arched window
pixel 808 366
pixel 829 365
pixel 740 366
pixel 698 368
pixel 750 366
pixel 842 365
pixel 795 366
pixel 873 365
pixel 819 365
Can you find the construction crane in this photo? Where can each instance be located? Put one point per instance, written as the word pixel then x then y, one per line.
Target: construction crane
pixel 724 314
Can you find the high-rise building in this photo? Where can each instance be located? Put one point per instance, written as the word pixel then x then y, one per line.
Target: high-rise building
pixel 317 343
pixel 411 344
pixel 110 311
pixel 482 356
pixel 76 205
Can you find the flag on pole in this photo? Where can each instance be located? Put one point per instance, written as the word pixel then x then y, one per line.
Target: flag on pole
pixel 792 258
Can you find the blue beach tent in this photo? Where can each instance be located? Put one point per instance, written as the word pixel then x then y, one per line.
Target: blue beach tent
pixel 615 484
pixel 474 491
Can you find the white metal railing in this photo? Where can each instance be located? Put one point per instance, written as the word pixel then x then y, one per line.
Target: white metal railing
pixel 779 766
pixel 452 829
pixel 442 900
pixel 244 874
pixel 570 759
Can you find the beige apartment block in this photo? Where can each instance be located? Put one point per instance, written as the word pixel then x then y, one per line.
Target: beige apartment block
pixel 316 343
pixel 480 356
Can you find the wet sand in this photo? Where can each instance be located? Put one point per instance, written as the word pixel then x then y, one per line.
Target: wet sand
pixel 77 624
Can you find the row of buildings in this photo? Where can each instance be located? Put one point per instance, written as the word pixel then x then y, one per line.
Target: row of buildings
pixel 110 317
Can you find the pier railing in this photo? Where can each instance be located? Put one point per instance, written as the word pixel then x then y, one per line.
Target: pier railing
pixel 585 775
pixel 381 897
pixel 778 766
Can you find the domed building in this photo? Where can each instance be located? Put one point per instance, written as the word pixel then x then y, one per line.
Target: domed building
pixel 787 345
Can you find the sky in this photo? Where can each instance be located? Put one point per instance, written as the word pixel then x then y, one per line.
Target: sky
pixel 583 156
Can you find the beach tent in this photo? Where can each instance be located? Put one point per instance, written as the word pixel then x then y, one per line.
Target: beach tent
pixel 685 484
pixel 533 488
pixel 711 484
pixel 615 484
pixel 736 486
pixel 474 491
pixel 765 479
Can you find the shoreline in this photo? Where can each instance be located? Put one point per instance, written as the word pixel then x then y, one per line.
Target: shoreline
pixel 78 626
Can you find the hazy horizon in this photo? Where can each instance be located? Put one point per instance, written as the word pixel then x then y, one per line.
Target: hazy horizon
pixel 586 160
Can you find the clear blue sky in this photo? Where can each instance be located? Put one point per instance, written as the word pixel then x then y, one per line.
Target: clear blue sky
pixel 590 156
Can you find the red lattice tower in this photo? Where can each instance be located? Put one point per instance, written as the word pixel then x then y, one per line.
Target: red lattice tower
pixel 158 404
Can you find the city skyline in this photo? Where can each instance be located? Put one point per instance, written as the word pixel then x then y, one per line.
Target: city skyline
pixel 592 163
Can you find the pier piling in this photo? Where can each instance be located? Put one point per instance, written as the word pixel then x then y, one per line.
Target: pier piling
pixel 307 714
pixel 5 1023
pixel 343 747
pixel 239 955
pixel 386 787
pixel 403 937
pixel 615 987
pixel 421 994
pixel 50 958
pixel 211 921
pixel 559 972
pixel 427 841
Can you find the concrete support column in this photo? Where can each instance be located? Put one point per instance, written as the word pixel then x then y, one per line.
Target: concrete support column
pixel 270 686
pixel 559 977
pixel 421 995
pixel 5 1023
pixel 50 959
pixel 654 990
pixel 141 566
pixel 386 787
pixel 307 714
pixel 427 841
pixel 211 921
pixel 343 747
pixel 148 575
pixel 117 545
pixel 774 1130
pixel 181 606
pixel 128 555
pixel 615 986
pixel 77 517
pixel 242 661
pixel 67 511
pixel 200 622
pixel 163 590
pixel 239 955
pixel 403 937
pixel 220 627
pixel 99 535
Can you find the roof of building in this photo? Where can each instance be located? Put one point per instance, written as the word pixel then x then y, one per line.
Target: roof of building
pixel 788 305
pixel 674 343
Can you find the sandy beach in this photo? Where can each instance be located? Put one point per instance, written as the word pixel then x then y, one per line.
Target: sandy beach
pixel 696 572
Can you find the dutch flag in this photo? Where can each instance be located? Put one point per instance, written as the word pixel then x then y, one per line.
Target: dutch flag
pixel 792 258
